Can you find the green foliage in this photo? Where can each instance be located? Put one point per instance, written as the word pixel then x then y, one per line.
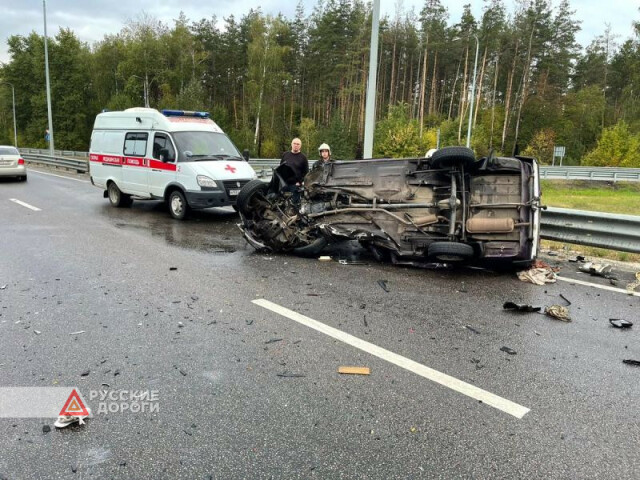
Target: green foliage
pixel 617 147
pixel 308 136
pixel 541 146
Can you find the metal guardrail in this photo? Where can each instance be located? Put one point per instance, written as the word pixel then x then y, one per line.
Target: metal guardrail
pixel 80 166
pixel 595 229
pixel 611 174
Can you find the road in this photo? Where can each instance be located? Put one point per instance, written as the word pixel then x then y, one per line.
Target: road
pixel 247 392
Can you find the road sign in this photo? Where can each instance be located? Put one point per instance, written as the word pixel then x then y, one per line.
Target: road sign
pixel 559 151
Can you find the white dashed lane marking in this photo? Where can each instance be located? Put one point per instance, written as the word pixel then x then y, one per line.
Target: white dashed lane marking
pixel 24 204
pixel 507 406
pixel 601 287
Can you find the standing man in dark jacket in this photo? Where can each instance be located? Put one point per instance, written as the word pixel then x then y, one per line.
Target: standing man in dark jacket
pixel 297 161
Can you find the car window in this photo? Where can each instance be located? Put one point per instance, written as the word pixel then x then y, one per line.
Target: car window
pixel 9 151
pixel 160 141
pixel 135 144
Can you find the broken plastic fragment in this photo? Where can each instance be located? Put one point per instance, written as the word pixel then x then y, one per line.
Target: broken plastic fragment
pixel 508 350
pixel 355 370
pixel 520 307
pixel 559 312
pixel 599 269
pixel 620 323
pixel 383 285
pixel 635 363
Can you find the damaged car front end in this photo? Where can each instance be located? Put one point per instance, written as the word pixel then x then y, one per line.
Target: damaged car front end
pixel 449 208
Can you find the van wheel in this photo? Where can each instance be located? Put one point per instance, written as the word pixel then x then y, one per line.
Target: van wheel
pixel 117 198
pixel 178 206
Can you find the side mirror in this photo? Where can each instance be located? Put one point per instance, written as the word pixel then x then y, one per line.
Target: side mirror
pixel 164 155
pixel 245 155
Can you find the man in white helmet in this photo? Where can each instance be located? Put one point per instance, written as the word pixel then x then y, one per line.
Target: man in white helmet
pixel 325 153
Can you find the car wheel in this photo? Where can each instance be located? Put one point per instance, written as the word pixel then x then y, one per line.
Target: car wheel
pixel 178 206
pixel 116 197
pixel 235 207
pixel 449 157
pixel 243 202
pixel 450 252
pixel 313 249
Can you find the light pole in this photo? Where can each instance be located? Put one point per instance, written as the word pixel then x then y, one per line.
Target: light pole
pixel 370 108
pixel 473 91
pixel 15 129
pixel 46 67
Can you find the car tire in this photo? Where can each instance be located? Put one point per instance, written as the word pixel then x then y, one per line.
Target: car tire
pixel 313 249
pixel 450 252
pixel 243 201
pixel 449 157
pixel 116 197
pixel 178 206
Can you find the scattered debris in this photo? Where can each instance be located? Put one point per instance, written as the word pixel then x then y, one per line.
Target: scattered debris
pixel 352 262
pixel 618 323
pixel 508 350
pixel 249 322
pixel 314 294
pixel 559 312
pixel 365 321
pixel 538 275
pixel 290 375
pixel 520 307
pixel 3 287
pixel 324 258
pixel 383 285
pixel 355 370
pixel 635 363
pixel 173 268
pixel 46 429
pixel 180 325
pixel 274 340
pixel 632 286
pixel 78 332
pixel 579 258
pixel 598 269
pixel 85 373
pixel 565 299
pixel 182 372
pixel 37 332
pixel 64 421
pixel 471 329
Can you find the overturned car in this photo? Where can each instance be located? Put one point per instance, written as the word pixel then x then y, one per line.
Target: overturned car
pixel 449 208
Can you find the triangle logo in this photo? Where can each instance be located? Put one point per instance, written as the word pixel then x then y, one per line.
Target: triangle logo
pixel 74 406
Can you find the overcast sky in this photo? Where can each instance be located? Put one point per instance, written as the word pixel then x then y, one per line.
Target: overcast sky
pixel 92 19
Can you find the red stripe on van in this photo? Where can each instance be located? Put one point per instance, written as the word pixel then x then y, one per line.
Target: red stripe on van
pixel 158 165
pixel 111 159
pixel 133 162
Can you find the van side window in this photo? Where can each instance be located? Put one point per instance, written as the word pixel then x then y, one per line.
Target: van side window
pixel 135 144
pixel 161 141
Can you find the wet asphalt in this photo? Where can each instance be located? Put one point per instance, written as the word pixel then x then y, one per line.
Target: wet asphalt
pixel 246 393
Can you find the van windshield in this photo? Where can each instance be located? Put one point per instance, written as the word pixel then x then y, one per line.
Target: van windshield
pixel 204 146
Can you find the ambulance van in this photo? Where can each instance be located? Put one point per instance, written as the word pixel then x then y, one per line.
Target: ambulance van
pixel 178 156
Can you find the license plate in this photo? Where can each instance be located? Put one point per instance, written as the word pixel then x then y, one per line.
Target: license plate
pixel 6 162
pixel 234 192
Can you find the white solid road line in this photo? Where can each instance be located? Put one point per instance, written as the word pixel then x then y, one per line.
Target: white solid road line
pixel 601 287
pixel 35 209
pixel 59 176
pixel 472 391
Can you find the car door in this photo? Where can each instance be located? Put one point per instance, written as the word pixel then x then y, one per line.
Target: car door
pixel 162 170
pixel 135 171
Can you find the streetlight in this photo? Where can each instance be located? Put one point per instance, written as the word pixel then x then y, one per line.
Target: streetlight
pixel 15 129
pixel 473 91
pixel 46 67
pixel 370 109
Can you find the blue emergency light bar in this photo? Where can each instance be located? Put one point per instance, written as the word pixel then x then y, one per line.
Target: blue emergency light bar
pixel 184 113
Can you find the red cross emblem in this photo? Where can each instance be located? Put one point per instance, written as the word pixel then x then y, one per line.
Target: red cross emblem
pixel 230 168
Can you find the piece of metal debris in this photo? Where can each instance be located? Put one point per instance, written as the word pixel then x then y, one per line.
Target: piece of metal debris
pixel 355 370
pixel 559 312
pixel 78 332
pixel 618 323
pixel 471 329
pixel 274 340
pixel 565 299
pixel 290 375
pixel 508 350
pixel 520 307
pixel 324 258
pixel 635 363
pixel 383 285
pixel 3 287
pixel 598 269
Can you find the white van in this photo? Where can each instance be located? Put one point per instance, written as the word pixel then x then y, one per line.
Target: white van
pixel 180 157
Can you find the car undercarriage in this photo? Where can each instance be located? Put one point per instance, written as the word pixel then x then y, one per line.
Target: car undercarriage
pixel 449 208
